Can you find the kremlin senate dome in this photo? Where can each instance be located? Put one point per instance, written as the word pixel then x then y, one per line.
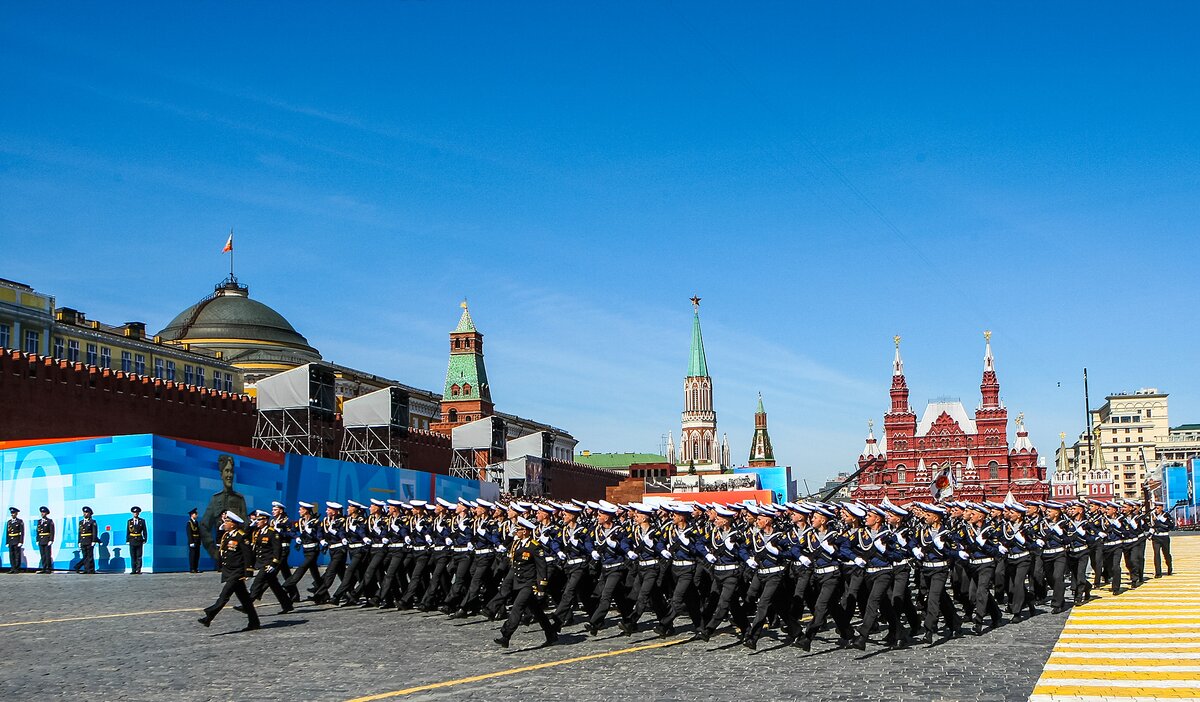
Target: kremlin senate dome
pixel 249 334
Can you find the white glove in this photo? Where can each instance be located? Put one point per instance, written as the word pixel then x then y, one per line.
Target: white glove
pixel 859 562
pixel 1081 531
pixel 902 541
pixel 631 555
pixel 647 540
pixel 595 555
pixel 385 540
pixel 480 530
pixel 324 542
pixel 771 549
pixel 367 541
pixel 1103 534
pixel 918 552
pixel 610 542
pixel 298 543
pixel 827 547
pixel 964 555
pixel 1020 538
pixel 562 556
pixel 805 560
pixel 408 539
pixel 449 541
pixel 471 546
pixel 937 541
pixel 194 545
pixel 729 543
pixel 751 562
pixel 428 539
pixel 710 558
pixel 1040 542
pixel 682 536
pixel 665 553
pixel 979 539
pixel 345 542
pixel 1003 548
pixel 880 547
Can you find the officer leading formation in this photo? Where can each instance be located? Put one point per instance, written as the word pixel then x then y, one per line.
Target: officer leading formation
pixel 913 574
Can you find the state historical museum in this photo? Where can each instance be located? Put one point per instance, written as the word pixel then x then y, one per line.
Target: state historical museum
pixel 982 464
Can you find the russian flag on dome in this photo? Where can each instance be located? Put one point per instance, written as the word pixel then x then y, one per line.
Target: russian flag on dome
pixel 229 243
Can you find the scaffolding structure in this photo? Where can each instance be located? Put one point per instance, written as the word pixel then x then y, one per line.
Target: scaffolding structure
pixel 374 425
pixel 479 450
pixel 296 412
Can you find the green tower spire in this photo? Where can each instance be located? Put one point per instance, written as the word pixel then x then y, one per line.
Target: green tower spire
pixel 697 364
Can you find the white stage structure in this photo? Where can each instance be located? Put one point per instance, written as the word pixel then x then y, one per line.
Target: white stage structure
pixel 479 450
pixel 374 424
pixel 296 411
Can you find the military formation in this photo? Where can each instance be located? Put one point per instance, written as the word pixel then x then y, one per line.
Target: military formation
pixel 912 573
pixel 43 535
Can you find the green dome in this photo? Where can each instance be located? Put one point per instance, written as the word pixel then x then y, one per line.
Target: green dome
pixel 229 320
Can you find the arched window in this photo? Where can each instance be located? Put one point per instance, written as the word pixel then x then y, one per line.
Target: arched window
pixel 695 398
pixel 993 470
pixel 453 416
pixel 454 389
pixel 695 450
pixel 458 343
pixel 901 473
pixel 466 389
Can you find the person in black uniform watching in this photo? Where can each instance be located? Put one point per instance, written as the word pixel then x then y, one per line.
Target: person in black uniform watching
pixel 193 541
pixel 89 534
pixel 235 560
pixel 527 577
pixel 14 536
pixel 135 536
pixel 45 541
pixel 1161 526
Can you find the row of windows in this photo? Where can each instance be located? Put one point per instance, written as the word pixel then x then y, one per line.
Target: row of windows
pixel 455 390
pixel 101 357
pixel 33 339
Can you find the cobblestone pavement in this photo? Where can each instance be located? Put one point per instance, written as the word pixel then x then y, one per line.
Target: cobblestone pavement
pixel 1141 645
pixel 322 653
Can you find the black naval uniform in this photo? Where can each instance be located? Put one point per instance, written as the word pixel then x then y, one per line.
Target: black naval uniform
pixel 283 527
pixel 88 536
pixel 135 536
pixel 235 560
pixel 308 536
pixel 1160 538
pixel 15 538
pixel 193 538
pixel 527 579
pixel 268 550
pixel 45 542
pixel 333 536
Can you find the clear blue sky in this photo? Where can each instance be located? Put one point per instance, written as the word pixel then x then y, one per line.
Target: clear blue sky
pixel 824 175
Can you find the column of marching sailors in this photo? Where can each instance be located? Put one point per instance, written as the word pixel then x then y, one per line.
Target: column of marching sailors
pixel 915 572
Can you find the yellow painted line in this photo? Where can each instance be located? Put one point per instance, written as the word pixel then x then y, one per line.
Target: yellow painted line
pixel 100 616
pixel 1115 640
pixel 1108 692
pixel 1121 675
pixel 1074 659
pixel 515 671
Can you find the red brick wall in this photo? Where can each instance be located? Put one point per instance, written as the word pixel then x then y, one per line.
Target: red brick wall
pixel 42 398
pixel 572 481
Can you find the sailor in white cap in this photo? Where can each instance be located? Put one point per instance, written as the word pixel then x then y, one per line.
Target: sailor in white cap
pixel 307 531
pixel 357 553
pixel 462 528
pixel 485 544
pixel 574 557
pixel 979 548
pixel 610 546
pixel 282 524
pixel 333 538
pixel 826 548
pixel 1016 543
pixel 934 547
pixel 897 522
pixel 685 547
pixel 1162 523
pixel 375 540
pixel 725 544
pixel 645 563
pixel 432 528
pixel 527 580
pixel 268 550
pixel 236 564
pixel 398 553
pixel 1053 534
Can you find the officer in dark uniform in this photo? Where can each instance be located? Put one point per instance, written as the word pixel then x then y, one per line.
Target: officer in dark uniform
pixel 268 550
pixel 14 536
pixel 193 541
pixel 308 538
pixel 527 580
pixel 45 541
pixel 89 534
pixel 235 560
pixel 135 536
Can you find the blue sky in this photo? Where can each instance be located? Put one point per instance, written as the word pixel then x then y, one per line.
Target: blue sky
pixel 823 176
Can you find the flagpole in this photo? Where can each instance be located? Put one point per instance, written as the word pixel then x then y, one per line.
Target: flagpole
pixel 231 255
